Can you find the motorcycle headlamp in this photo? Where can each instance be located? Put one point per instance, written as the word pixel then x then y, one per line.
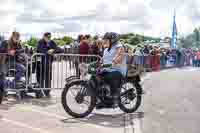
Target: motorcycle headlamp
pixel 83 69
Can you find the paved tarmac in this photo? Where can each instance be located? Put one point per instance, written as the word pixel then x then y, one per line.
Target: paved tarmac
pixel 170 105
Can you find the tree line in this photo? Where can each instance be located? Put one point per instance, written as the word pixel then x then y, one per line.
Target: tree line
pixel 192 40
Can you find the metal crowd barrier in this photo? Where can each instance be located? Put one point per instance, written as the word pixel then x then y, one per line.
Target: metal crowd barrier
pixel 45 72
pixel 147 62
pixel 14 69
pixel 49 72
pixel 159 62
pixel 196 60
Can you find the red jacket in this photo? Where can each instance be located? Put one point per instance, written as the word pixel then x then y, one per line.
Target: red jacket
pixel 84 48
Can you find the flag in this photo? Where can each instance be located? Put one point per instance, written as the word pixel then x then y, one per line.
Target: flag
pixel 174 33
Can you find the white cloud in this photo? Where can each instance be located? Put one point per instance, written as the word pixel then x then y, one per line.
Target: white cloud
pixel 7 15
pixel 149 17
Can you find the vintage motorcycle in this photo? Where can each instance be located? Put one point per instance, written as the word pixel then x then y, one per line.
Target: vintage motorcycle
pixel 90 89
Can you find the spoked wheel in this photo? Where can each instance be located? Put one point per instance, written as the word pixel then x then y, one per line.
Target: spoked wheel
pixel 130 98
pixel 75 101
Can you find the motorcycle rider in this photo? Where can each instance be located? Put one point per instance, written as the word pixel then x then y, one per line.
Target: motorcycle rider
pixel 113 54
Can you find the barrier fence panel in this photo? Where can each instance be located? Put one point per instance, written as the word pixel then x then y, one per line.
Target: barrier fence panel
pixel 44 72
pixel 159 62
pixel 14 72
pixel 146 62
pixel 50 72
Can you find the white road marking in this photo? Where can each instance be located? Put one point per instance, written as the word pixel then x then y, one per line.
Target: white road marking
pixel 137 125
pixel 161 112
pixel 41 112
pixel 20 124
pixel 136 121
pixel 53 115
pixel 132 125
pixel 193 69
pixel 104 123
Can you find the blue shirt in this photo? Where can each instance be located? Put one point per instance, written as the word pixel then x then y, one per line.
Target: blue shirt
pixel 108 57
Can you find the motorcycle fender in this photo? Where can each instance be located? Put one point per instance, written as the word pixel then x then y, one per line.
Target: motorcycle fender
pixel 139 88
pixel 137 78
pixel 89 92
pixel 71 78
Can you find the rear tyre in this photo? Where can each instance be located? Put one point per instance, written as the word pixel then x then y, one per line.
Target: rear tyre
pixel 133 95
pixel 66 106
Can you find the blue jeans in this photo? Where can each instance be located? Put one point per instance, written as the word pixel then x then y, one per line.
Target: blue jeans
pixel 20 71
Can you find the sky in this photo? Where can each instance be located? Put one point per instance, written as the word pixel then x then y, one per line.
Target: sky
pixel 73 17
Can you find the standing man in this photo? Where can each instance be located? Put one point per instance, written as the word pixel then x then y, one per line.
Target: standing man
pixel 44 68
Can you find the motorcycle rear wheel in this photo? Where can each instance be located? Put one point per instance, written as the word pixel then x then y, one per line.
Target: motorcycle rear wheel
pixel 67 107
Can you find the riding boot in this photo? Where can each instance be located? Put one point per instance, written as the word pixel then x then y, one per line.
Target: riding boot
pixel 115 97
pixel 100 105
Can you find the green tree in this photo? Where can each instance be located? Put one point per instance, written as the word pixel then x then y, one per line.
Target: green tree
pixel 60 42
pixel 32 42
pixel 192 40
pixel 196 34
pixel 135 40
pixel 67 39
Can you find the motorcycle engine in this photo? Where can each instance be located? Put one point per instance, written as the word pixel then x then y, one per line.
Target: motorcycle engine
pixel 105 95
pixel 105 90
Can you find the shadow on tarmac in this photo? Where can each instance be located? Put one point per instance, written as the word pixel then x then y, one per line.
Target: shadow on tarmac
pixel 8 105
pixel 43 102
pixel 10 102
pixel 112 121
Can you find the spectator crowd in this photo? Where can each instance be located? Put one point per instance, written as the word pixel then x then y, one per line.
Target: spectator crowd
pixel 151 57
pixel 14 55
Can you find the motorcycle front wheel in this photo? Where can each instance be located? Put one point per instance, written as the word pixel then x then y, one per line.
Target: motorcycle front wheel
pixel 130 97
pixel 74 105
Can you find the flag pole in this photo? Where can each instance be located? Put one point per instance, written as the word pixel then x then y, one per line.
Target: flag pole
pixel 174 32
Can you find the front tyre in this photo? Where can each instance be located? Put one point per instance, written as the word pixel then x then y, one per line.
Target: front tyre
pixel 77 90
pixel 130 97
